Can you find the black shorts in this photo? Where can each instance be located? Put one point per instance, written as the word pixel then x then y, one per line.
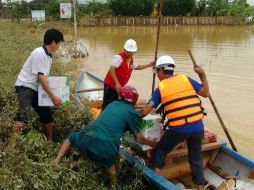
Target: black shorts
pixel 27 99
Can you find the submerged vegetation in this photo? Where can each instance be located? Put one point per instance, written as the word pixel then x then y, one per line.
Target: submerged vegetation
pixel 26 162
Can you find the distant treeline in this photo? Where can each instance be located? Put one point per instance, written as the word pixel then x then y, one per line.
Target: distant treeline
pixel 22 9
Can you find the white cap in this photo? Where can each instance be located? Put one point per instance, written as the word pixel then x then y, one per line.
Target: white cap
pixel 130 45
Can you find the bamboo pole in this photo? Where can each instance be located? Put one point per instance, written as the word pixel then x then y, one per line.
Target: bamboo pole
pixel 90 90
pixel 157 40
pixel 75 25
pixel 73 96
pixel 216 110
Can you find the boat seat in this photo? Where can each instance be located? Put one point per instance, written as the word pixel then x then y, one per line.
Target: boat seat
pixel 177 154
pixel 180 167
pixel 177 164
pixel 205 147
pixel 209 142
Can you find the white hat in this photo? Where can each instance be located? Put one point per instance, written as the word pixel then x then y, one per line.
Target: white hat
pixel 166 62
pixel 130 45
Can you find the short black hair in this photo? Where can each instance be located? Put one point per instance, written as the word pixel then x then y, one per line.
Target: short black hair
pixel 168 72
pixel 53 35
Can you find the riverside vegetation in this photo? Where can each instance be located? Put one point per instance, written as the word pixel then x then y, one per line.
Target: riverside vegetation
pixel 28 164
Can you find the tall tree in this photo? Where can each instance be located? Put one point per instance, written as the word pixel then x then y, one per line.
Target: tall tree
pixel 178 7
pixel 240 8
pixel 217 7
pixel 1 8
pixel 53 8
pixel 200 7
pixel 132 7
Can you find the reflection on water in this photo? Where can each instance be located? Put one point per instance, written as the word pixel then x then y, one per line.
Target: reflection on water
pixel 225 52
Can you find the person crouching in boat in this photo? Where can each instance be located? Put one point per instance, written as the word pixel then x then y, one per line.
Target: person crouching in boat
pixel 181 107
pixel 101 140
pixel 120 72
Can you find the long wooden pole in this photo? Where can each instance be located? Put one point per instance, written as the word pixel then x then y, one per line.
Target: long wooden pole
pixel 216 110
pixel 75 25
pixel 90 90
pixel 73 96
pixel 157 40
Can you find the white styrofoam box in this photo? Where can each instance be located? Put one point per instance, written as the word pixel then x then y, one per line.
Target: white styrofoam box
pixel 59 86
pixel 150 128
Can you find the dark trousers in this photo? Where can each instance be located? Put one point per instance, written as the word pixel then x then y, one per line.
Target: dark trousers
pixel 109 96
pixel 194 141
pixel 28 98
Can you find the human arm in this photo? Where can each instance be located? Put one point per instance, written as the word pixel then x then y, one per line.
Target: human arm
pixel 141 139
pixel 116 63
pixel 153 103
pixel 56 100
pixel 66 147
pixel 140 67
pixel 146 109
pixel 114 78
pixel 204 91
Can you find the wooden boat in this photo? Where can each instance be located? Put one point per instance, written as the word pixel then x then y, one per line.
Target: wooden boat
pixel 89 87
pixel 224 168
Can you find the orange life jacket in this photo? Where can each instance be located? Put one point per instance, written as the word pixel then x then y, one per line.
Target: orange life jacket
pixel 179 100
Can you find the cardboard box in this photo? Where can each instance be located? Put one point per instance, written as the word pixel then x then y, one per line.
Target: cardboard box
pixel 150 128
pixel 59 86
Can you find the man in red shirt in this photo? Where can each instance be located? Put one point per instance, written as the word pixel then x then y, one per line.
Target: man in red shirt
pixel 120 71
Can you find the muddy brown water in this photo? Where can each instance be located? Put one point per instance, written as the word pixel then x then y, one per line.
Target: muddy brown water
pixel 225 52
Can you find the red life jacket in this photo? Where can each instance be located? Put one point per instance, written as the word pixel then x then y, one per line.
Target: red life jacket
pixel 123 73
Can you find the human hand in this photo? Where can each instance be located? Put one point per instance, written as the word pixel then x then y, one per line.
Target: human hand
pixel 152 64
pixel 55 162
pixel 57 101
pixel 199 70
pixel 153 142
pixel 118 87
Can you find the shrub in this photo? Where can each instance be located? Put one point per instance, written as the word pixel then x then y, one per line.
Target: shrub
pixel 132 7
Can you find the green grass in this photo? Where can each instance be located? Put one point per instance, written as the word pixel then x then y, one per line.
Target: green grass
pixel 16 43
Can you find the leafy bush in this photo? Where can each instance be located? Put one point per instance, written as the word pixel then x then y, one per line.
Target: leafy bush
pixel 53 8
pixel 178 7
pixel 68 118
pixel 27 164
pixel 223 8
pixel 94 8
pixel 7 109
pixel 132 7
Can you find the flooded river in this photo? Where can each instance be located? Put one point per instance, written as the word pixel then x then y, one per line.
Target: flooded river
pixel 225 52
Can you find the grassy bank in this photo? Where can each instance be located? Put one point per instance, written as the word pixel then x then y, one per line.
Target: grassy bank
pixel 27 165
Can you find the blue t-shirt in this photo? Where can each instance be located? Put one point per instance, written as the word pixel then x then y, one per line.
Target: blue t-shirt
pixel 189 128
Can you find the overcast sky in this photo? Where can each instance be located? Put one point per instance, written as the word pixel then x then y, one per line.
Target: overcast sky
pixel 251 2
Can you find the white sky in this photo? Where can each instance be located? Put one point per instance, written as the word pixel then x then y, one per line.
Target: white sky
pixel 251 2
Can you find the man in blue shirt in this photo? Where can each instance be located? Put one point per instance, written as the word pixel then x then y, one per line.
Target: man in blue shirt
pixel 101 140
pixel 181 107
